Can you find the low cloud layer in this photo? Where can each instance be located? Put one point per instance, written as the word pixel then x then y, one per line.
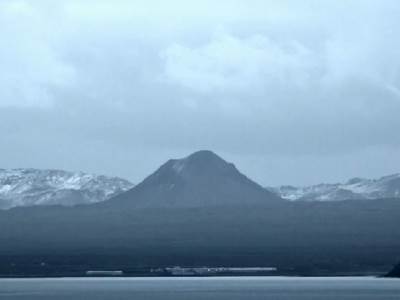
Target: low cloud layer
pixel 292 92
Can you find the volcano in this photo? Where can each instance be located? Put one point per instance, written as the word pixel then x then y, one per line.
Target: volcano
pixel 202 179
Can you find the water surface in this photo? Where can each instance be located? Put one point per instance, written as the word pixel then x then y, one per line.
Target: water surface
pixel 274 288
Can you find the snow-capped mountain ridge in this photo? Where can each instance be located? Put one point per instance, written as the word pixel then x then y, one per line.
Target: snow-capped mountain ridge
pixel 355 188
pixel 27 187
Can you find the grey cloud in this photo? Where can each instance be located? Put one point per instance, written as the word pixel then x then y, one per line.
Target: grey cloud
pixel 279 84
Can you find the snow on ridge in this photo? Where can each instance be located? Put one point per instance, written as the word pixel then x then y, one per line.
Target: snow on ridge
pixel 179 165
pixel 356 188
pixel 27 187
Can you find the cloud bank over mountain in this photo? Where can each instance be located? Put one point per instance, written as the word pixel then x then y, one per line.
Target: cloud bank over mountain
pixel 289 90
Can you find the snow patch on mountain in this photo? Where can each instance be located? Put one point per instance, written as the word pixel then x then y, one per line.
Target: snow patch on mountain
pixel 179 165
pixel 28 187
pixel 356 188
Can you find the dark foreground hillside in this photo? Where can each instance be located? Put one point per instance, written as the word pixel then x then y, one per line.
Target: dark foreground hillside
pixel 395 272
pixel 305 239
pixel 201 211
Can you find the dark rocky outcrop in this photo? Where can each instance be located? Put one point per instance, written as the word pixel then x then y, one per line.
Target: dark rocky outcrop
pixel 395 272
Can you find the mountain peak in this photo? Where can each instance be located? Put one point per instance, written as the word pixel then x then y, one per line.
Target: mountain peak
pixel 200 179
pixel 200 162
pixel 204 155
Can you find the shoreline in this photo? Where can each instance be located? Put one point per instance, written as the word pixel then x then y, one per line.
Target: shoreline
pixel 196 277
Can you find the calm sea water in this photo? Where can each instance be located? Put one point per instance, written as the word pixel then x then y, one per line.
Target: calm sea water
pixel 274 288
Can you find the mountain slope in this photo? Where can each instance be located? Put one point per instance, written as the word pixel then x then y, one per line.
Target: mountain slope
pixel 201 211
pixel 28 187
pixel 356 188
pixel 201 179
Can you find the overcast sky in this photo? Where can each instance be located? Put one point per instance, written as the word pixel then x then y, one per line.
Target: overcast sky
pixel 292 92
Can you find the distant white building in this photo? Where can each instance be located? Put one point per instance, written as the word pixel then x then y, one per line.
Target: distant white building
pixel 104 273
